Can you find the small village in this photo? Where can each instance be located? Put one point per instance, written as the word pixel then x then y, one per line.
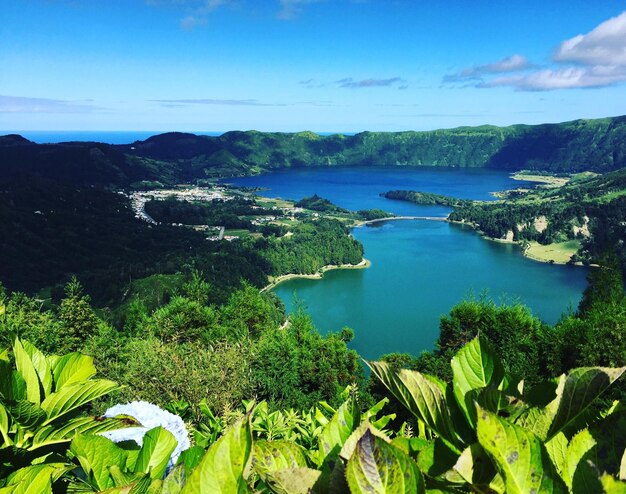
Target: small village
pixel 285 211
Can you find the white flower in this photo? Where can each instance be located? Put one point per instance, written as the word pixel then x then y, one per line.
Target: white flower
pixel 149 416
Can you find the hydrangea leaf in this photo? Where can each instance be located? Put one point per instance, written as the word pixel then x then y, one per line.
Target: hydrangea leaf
pixel 424 396
pixel 378 467
pixel 519 456
pixel 223 466
pixel 475 366
pixel 158 446
pixel 271 456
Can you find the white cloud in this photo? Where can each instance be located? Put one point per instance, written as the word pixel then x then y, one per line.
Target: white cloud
pixel 563 78
pixel 289 9
pixel 508 64
pixel 593 60
pixel 22 104
pixel 604 45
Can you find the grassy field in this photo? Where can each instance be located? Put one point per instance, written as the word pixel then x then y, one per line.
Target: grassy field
pixel 559 253
pixel 236 232
pixel 546 180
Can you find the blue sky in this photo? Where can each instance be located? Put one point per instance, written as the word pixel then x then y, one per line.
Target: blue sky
pixel 321 65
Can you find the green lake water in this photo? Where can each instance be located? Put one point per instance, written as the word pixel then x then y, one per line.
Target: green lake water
pixel 420 268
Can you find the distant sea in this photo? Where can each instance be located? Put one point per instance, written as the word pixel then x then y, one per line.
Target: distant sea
pixel 106 136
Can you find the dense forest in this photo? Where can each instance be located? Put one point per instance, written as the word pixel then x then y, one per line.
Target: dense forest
pixel 591 209
pixel 421 198
pixel 581 145
pixel 214 213
pixel 53 230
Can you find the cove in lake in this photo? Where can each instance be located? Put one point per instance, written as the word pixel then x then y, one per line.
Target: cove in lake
pixel 420 269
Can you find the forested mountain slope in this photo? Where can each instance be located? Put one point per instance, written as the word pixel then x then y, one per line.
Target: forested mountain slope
pixel 597 145
pixel 594 145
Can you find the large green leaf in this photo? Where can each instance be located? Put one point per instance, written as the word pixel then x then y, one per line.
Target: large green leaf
pixel 35 479
pixel 72 368
pixel 294 481
pixel 41 365
pixel 581 387
pixel 574 393
pixel 158 446
pixel 337 430
pixel 612 485
pixel 4 426
pixel 72 396
pixel 12 384
pixel 224 464
pixel 379 467
pixel 27 414
pixel 65 431
pixel 518 455
pixel 557 450
pixel 574 466
pixel 95 455
pixel 609 436
pixel 350 444
pixel 475 467
pixel 271 456
pixel 475 366
pixel 423 396
pixel 26 368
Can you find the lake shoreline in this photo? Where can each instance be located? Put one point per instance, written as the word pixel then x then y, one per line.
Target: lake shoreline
pixel 527 251
pixel 364 264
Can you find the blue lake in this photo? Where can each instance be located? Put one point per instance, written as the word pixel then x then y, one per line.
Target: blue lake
pixel 420 269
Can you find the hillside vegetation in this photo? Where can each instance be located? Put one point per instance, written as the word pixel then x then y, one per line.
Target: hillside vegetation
pixel 581 145
pixel 591 210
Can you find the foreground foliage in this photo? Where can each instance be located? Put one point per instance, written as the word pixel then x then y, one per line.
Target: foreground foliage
pixel 483 432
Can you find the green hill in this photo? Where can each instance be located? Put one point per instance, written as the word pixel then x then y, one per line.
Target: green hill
pixel 581 145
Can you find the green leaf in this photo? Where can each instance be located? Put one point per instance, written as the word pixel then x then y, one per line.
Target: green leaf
pixel 12 384
pixel 35 479
pixel 606 456
pixel 378 467
pixel 423 396
pixel 622 467
pixel 26 368
pixel 65 432
pixel 72 368
pixel 337 430
pixel 475 467
pixel 223 466
pixel 557 450
pixel 158 446
pixel 436 458
pixel 41 365
pixel 574 393
pixel 4 426
pixel 27 414
pixel 190 458
pixel 475 366
pixel 350 444
pixel 53 471
pixel 578 447
pixel 175 481
pixel 294 481
pixel 581 387
pixel 518 456
pixel 613 486
pixel 95 455
pixel 75 395
pixel 271 456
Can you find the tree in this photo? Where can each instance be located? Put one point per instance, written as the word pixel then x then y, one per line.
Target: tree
pixel 77 315
pixel 606 285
